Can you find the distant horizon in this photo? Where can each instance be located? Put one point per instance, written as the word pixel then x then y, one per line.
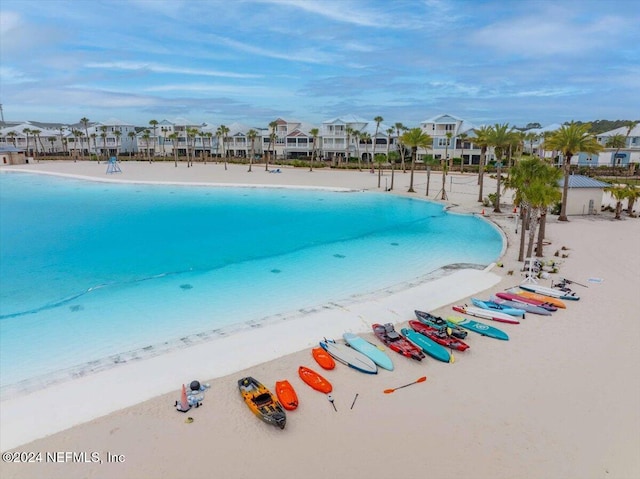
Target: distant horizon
pixel 252 61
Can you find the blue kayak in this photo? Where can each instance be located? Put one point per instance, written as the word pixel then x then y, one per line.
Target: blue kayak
pixel 477 327
pixel 493 306
pixel 429 346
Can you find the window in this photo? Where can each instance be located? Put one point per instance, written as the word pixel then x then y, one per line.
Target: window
pixel 444 142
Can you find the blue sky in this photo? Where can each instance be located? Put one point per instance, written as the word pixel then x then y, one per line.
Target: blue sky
pixel 252 61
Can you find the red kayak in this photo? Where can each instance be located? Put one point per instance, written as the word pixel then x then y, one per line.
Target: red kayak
pixel 286 395
pixel 439 336
pixel 314 380
pixel 523 299
pixel 396 342
pixel 323 358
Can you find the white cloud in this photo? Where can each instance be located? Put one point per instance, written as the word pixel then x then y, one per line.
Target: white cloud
pixel 144 66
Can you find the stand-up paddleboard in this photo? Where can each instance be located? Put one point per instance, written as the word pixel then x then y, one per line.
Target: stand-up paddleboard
pixel 323 358
pixel 552 292
pixel 557 302
pixel 477 327
pixel 368 349
pixel 429 346
pixel 522 299
pixel 486 314
pixel 313 379
pixel 493 306
pixel 349 356
pixel 529 308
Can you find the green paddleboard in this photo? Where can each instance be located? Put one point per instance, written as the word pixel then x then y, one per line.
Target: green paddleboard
pixel 429 346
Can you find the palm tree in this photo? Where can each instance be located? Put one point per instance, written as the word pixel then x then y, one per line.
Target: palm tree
pixel 146 136
pixel 222 132
pixel 620 194
pixel 400 127
pixel 208 135
pixel 633 193
pixel 84 121
pixel 569 140
pixel 535 185
pixel 131 135
pixel 52 140
pixel 366 138
pixel 462 137
pixel 378 119
pixel 27 131
pixel 252 135
pixel 61 133
pixel 174 139
pixel 117 134
pixel 314 133
pixel 530 137
pixel 481 140
pixel 414 139
pixel 103 135
pixel 12 137
pixel 36 137
pixel 446 150
pixel 347 146
pixel 272 138
pixel 154 125
pixel 93 137
pixel 500 137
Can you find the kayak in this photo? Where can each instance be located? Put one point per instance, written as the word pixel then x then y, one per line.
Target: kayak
pixel 493 306
pixel 286 395
pixel 522 299
pixel 478 327
pixel 552 292
pixel 437 322
pixel 529 308
pixel 439 336
pixel 365 347
pixel 558 303
pixel 323 358
pixel 262 402
pixel 486 314
pixel 427 345
pixel 349 356
pixel 313 379
pixel 396 342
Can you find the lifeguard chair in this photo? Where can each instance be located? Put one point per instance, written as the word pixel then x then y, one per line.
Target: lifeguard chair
pixel 113 166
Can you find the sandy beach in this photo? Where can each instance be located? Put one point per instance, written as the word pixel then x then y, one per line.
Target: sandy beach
pixel 558 400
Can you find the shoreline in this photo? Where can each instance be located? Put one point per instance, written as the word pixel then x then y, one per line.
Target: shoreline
pixel 559 399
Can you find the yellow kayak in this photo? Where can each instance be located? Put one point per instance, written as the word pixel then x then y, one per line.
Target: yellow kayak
pixel 261 402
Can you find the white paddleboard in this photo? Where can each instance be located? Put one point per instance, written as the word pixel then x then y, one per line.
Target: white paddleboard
pixel 349 356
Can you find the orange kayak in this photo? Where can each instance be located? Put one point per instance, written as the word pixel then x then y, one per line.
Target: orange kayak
pixel 323 358
pixel 286 395
pixel 541 297
pixel 314 380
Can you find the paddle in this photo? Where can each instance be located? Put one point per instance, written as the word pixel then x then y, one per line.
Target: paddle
pixel 419 380
pixel 354 401
pixel 330 398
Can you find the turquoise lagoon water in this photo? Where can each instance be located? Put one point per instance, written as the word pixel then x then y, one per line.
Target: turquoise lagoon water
pixel 94 274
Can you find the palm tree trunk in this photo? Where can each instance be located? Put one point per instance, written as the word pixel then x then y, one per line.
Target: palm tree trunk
pixel 413 163
pixel 541 232
pixel 524 217
pixel 483 153
pixel 428 179
pixel 532 231
pixel 392 175
pixel 565 189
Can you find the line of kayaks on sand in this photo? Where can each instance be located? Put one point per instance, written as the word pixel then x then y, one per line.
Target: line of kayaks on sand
pixel 428 335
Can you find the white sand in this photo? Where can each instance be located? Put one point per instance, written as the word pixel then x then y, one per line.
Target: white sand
pixel 560 399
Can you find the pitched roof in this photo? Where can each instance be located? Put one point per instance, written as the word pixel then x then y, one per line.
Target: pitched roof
pixel 580 181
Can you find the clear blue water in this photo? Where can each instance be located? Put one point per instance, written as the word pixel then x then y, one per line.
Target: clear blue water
pixel 96 273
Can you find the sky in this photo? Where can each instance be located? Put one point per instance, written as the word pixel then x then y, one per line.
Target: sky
pixel 253 61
